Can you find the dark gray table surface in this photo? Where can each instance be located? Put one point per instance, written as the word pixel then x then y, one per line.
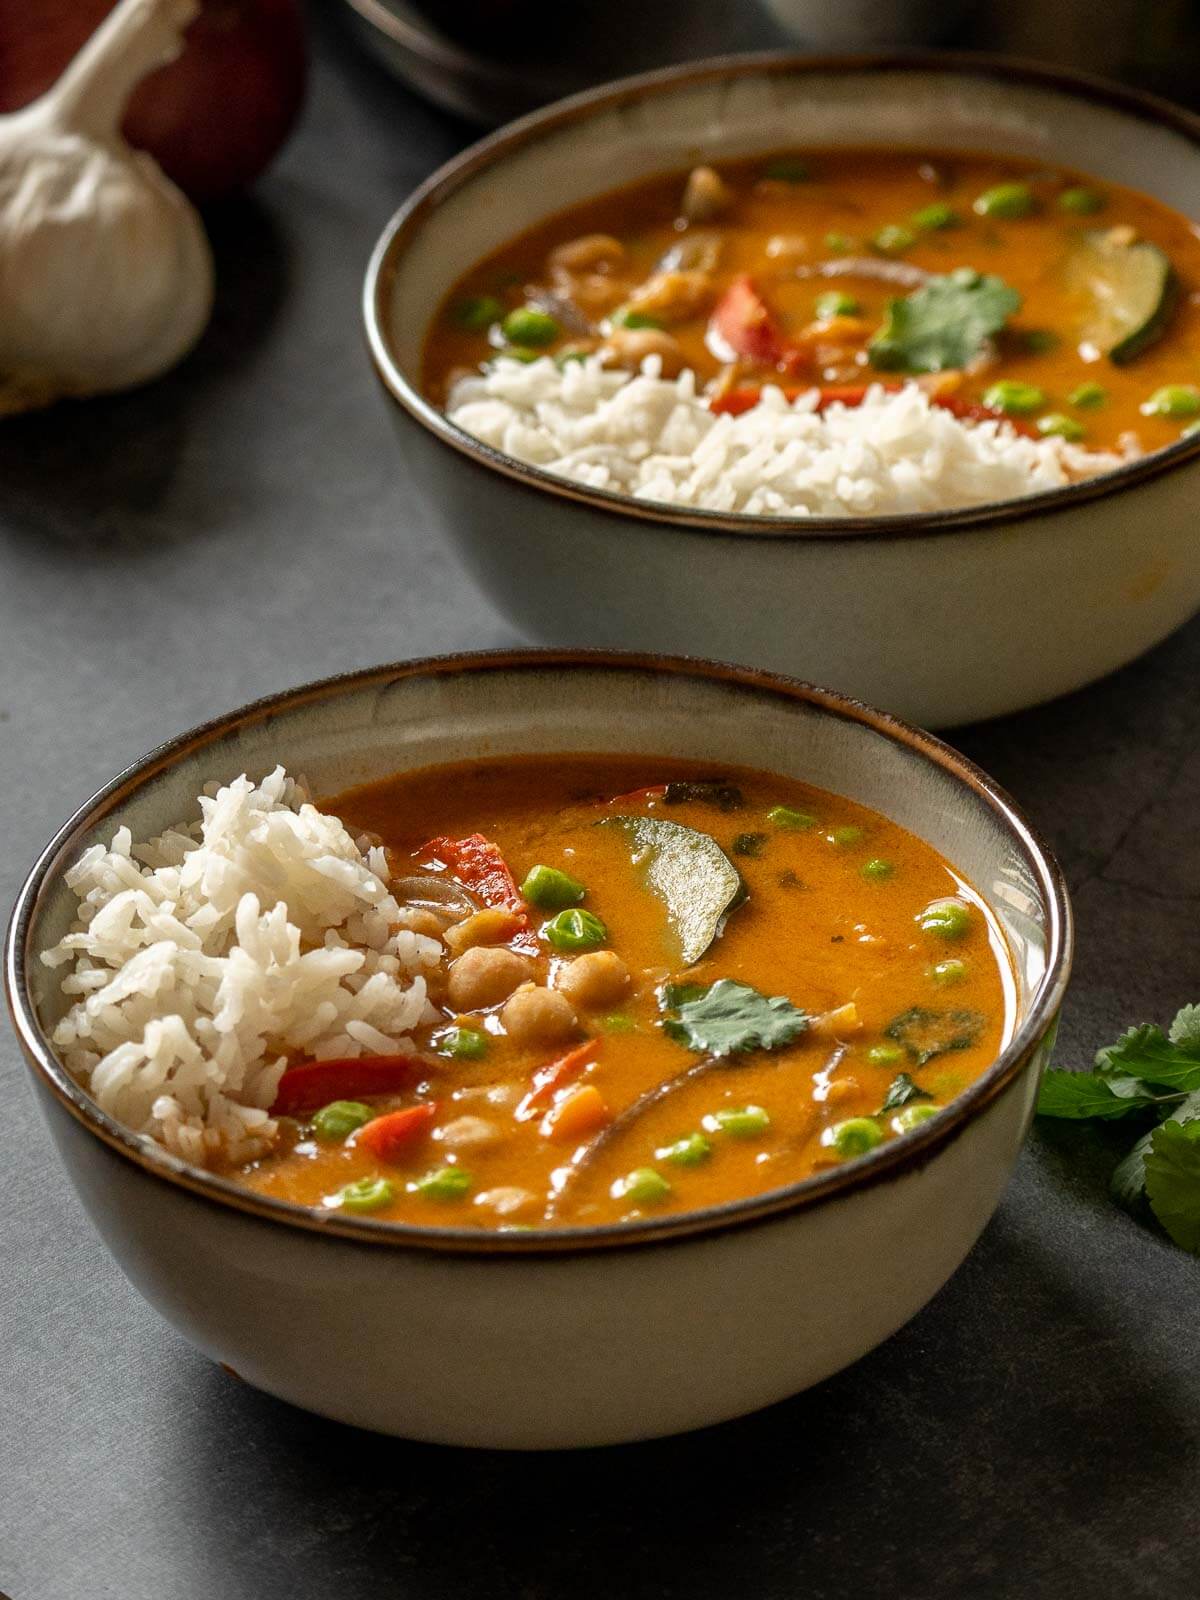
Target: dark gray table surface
pixel 244 525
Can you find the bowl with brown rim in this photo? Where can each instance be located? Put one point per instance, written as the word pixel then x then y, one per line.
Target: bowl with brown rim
pixel 582 1335
pixel 945 617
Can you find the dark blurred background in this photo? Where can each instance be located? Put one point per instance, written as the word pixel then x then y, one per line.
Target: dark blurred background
pixel 490 60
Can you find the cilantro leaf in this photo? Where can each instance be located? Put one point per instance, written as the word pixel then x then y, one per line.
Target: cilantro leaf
pixel 1128 1183
pixel 1173 1180
pixel 732 1017
pixel 1185 1030
pixel 1081 1095
pixel 945 323
pixel 901 1092
pixel 705 791
pixel 925 1033
pixel 1147 1054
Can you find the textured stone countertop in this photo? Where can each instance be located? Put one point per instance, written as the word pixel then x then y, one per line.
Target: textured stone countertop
pixel 243 526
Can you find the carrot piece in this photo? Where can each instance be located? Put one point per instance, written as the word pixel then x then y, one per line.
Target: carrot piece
pixel 392 1136
pixel 573 1118
pixel 554 1075
pixel 316 1083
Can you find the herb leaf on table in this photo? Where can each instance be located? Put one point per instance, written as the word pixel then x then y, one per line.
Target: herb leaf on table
pixel 1147 1072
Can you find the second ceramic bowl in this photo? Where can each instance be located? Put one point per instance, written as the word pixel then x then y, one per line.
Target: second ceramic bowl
pixel 945 618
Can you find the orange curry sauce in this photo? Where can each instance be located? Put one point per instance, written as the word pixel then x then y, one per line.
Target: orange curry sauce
pixel 830 920
pixel 853 204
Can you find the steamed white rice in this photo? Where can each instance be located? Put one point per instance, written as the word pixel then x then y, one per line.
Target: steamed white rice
pixel 202 959
pixel 641 435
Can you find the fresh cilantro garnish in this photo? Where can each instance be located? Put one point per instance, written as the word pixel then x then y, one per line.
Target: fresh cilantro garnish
pixel 902 1091
pixel 1173 1180
pixel 706 792
pixel 731 1017
pixel 1150 1072
pixel 925 1033
pixel 945 323
pixel 1084 1095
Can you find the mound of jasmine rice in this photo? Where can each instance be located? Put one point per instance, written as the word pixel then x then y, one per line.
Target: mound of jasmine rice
pixel 642 435
pixel 202 960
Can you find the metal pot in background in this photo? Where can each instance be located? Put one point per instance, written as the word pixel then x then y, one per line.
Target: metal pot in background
pixel 491 60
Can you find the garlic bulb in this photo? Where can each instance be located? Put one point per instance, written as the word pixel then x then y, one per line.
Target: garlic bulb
pixel 106 276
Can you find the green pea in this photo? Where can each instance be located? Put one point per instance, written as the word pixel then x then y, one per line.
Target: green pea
pixel 339 1119
pixel 787 169
pixel 689 1151
pixel 463 1044
pixel 444 1184
pixel 1039 340
pixel 368 1194
pixel 1014 399
pixel 643 1186
pixel 912 1117
pixel 846 836
pixel 478 313
pixel 1081 202
pixel 575 930
pixel 637 319
pixel 1177 400
pixel 530 327
pixel 841 244
pixel 1055 424
pixel 877 870
pixel 618 1022
pixel 791 821
pixel 854 1137
pixel 835 304
pixel 935 217
pixel 893 240
pixel 516 352
pixel 551 889
pixel 1006 200
pixel 740 1122
pixel 945 919
pixel 948 972
pixel 1088 396
pixel 885 1055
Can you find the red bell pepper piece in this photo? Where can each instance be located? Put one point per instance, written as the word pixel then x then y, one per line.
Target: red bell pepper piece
pixel 742 320
pixel 392 1136
pixel 736 401
pixel 637 797
pixel 554 1075
pixel 316 1083
pixel 478 865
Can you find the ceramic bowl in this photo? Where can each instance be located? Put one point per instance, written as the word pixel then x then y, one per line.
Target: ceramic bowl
pixel 942 618
pixel 588 1335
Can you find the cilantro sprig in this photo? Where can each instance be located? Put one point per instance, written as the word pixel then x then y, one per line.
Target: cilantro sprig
pixel 945 323
pixel 728 1018
pixel 1146 1073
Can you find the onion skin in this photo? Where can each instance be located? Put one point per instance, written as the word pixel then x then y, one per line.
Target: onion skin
pixel 214 118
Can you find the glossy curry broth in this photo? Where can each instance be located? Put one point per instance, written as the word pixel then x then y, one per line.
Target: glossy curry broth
pixel 851 205
pixel 828 920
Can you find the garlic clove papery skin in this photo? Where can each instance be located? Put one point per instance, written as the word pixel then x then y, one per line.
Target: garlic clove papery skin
pixel 106 276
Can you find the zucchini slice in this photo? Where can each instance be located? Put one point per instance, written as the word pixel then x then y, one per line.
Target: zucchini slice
pixel 1126 292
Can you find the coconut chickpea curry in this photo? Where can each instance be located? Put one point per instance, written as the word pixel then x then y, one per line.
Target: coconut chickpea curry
pixel 1065 305
pixel 655 989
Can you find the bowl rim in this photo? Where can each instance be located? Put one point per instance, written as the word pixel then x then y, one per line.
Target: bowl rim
pixel 887 1162
pixel 492 150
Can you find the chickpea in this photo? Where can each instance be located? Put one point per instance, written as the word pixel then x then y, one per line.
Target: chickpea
pixel 538 1016
pixel 482 927
pixel 674 296
pixel 705 195
pixel 594 252
pixel 595 981
pixel 468 1133
pixel 485 975
pixel 417 920
pixel 506 1201
pixel 628 348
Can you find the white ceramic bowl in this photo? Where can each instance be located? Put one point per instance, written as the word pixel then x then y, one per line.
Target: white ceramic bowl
pixel 943 619
pixel 586 1335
